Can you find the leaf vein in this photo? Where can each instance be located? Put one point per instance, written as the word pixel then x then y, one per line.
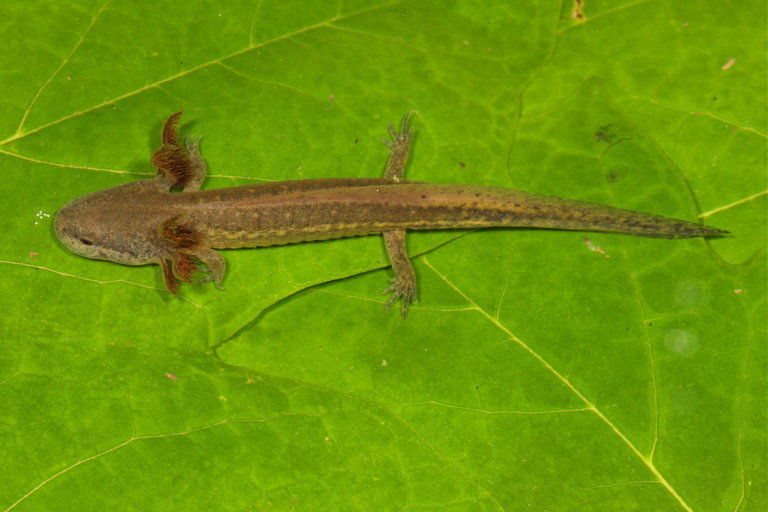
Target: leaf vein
pixel 732 205
pixel 701 113
pixel 602 14
pixel 192 70
pixel 91 280
pixel 19 130
pixel 483 411
pixel 589 405
pixel 147 437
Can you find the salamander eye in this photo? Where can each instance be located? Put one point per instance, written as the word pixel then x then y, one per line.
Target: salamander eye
pixel 85 241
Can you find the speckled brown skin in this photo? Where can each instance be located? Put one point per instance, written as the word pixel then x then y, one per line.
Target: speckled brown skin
pixel 144 222
pixel 243 217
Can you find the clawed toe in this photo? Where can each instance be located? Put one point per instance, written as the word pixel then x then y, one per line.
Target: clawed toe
pixel 399 138
pixel 193 142
pixel 400 290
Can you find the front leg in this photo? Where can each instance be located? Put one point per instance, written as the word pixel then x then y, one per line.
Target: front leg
pixel 185 248
pixel 404 282
pixel 179 166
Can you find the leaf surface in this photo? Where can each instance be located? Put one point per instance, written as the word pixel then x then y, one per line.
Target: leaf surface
pixel 541 370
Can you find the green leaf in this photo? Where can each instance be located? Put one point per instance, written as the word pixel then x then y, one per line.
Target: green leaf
pixel 541 370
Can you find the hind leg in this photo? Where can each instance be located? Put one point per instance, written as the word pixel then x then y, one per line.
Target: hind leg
pixel 404 283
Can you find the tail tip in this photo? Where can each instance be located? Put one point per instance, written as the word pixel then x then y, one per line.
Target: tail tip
pixel 710 232
pixel 720 232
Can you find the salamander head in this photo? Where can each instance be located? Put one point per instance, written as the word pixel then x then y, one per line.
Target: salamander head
pixel 97 226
